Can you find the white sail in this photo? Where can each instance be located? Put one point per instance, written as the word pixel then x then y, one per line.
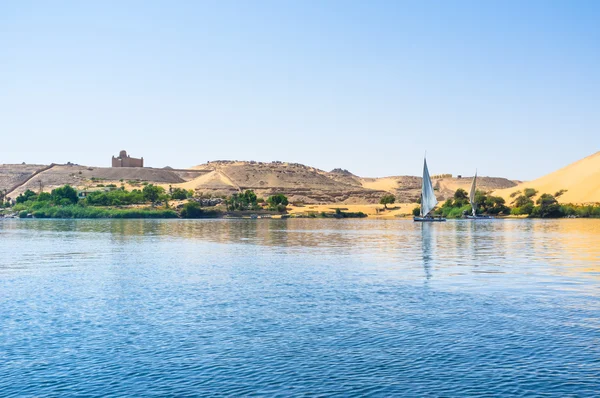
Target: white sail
pixel 428 200
pixel 472 194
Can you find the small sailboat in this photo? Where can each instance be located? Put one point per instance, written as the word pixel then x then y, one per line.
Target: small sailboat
pixel 472 201
pixel 428 199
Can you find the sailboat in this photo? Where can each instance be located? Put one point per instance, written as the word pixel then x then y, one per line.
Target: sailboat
pixel 472 201
pixel 428 199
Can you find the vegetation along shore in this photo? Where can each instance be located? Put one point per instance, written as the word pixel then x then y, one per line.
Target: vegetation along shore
pixel 154 201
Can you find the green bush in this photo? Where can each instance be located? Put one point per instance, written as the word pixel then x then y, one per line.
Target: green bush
pixel 529 192
pixel 179 194
pixel 74 211
pixel 117 197
pixel 193 210
pixel 526 209
pixel 277 200
pixel 243 201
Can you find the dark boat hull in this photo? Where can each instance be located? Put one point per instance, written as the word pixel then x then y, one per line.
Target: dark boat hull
pixel 479 218
pixel 428 219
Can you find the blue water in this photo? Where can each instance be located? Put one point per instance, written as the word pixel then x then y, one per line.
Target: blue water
pixel 299 307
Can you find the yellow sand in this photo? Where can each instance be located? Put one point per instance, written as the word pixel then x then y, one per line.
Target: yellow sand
pixel 389 184
pixel 394 211
pixel 581 180
pixel 214 180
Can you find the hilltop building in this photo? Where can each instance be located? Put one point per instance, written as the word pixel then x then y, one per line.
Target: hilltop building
pixel 124 160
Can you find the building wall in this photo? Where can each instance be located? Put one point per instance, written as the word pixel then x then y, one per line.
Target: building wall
pixel 125 160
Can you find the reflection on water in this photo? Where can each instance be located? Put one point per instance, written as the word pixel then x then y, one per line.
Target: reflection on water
pixel 427 247
pixel 289 307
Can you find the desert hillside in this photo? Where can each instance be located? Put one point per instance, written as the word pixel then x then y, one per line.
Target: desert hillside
pixel 300 183
pixel 16 178
pixel 581 180
pixel 311 185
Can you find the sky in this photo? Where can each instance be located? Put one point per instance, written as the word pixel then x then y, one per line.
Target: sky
pixel 511 88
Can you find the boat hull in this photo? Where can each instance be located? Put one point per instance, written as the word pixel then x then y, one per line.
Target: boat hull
pixel 479 218
pixel 428 219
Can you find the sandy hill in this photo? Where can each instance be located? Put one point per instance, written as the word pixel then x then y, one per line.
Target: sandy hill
pixel 17 178
pixel 581 180
pixel 299 182
pixel 311 185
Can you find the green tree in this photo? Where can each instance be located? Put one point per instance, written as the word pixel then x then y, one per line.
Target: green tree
pixel 416 211
pixel 387 200
pixel 44 197
pixel 152 192
pixel 546 200
pixel 547 206
pixel 523 201
pixel 26 196
pixel 250 197
pixel 461 194
pixel 277 200
pixel 65 194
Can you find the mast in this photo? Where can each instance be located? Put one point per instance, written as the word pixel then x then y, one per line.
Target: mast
pixel 472 194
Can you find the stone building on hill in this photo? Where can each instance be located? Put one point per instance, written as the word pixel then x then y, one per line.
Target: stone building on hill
pixel 124 160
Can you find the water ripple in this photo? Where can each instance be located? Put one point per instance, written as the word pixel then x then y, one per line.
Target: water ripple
pixel 299 307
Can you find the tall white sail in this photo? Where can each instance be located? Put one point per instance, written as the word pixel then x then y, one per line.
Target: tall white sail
pixel 472 194
pixel 428 200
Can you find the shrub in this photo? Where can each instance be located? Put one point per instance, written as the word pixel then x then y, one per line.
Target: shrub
pixel 193 210
pixel 529 192
pixel 526 209
pixel 559 193
pixel 179 194
pixel 44 197
pixel 73 211
pixel 278 201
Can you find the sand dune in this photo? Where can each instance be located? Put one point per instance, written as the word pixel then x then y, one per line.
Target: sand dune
pixel 581 180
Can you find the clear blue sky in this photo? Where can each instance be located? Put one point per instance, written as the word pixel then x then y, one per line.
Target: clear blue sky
pixel 509 87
